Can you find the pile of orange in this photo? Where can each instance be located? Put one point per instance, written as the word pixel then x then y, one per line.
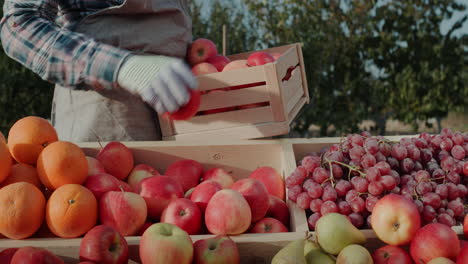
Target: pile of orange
pixel 33 164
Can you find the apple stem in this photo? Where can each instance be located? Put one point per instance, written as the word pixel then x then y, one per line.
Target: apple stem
pixel 121 188
pixel 98 137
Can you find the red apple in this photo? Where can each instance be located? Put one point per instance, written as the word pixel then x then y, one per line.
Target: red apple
pixel 140 172
pixel 216 250
pixel 228 213
pixel 219 61
pixel 126 212
pixel 165 244
pixel 259 58
pixel 395 219
pixel 278 209
pixel 268 225
pixel 463 256
pixel 187 172
pixel 433 241
pixel 86 262
pixel 101 183
pixel 144 227
pixel 271 179
pixel 158 192
pixel 201 50
pixel 94 166
pixel 34 255
pixel 219 175
pixel 190 109
pixel 463 243
pixel 256 195
pixel 7 254
pixel 183 213
pixel 117 159
pixel 391 255
pixel 276 55
pixel 202 194
pixel 465 225
pixel 441 261
pixel 235 64
pixel 203 68
pixel 103 244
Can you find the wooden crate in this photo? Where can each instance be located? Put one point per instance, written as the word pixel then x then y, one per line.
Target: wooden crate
pixel 279 101
pixel 239 157
pixel 296 149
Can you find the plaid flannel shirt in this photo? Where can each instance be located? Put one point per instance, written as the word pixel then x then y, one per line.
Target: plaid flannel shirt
pixel 38 34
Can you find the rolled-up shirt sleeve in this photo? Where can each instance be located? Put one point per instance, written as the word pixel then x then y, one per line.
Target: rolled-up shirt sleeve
pixel 30 36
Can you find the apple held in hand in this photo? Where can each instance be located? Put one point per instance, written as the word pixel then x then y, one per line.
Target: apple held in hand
pixel 164 243
pixel 259 58
pixel 219 61
pixel 190 109
pixel 216 250
pixel 391 255
pixel 126 212
pixel 395 219
pixel 34 255
pixel 201 50
pixel 158 192
pixel 183 213
pixel 138 173
pixel 103 244
pixel 227 213
pixel 268 225
pixel 117 159
pixel 433 241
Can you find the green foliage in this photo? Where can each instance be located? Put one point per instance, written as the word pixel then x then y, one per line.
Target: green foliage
pixel 22 94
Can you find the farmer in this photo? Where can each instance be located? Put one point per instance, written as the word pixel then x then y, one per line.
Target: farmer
pixel 114 62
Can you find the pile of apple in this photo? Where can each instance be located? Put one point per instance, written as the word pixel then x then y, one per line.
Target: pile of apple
pixel 196 200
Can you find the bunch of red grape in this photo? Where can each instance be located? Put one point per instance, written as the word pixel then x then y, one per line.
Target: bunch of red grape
pixel 350 177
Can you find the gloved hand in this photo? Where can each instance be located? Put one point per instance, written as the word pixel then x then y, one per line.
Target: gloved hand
pixel 161 81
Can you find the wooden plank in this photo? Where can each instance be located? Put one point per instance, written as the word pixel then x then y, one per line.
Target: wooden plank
pixel 276 99
pixel 290 87
pixel 225 120
pixel 288 59
pixel 231 78
pixel 167 129
pixel 241 132
pixel 303 72
pixel 220 99
pixel 292 101
pixel 295 110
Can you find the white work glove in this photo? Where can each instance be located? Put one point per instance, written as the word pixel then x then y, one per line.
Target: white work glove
pixel 162 82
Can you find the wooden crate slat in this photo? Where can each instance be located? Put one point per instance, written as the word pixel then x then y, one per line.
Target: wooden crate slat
pixel 237 97
pixel 287 60
pixel 276 99
pixel 167 128
pixel 292 101
pixel 303 73
pixel 295 110
pixel 241 132
pixel 231 78
pixel 225 120
pixel 289 87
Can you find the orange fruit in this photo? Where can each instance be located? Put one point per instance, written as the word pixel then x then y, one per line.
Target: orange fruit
pixel 22 173
pixel 62 163
pixel 5 161
pixel 28 137
pixel 71 211
pixel 21 210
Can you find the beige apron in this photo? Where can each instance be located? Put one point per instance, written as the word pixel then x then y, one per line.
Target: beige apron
pixel 142 26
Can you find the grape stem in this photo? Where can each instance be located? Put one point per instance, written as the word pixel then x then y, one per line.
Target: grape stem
pixel 351 168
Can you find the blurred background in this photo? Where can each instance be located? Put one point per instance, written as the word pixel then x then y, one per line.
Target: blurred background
pixel 389 67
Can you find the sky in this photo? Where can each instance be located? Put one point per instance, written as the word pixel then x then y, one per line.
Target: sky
pixel 445 26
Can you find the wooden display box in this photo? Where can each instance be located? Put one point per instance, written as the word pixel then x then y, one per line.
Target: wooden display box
pixel 239 157
pixel 278 100
pixel 296 149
